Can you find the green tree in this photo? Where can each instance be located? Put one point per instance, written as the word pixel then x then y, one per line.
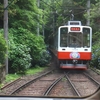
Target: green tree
pixel 3 48
pixel 95 24
pixel 24 13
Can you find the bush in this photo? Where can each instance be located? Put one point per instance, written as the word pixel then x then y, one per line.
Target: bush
pixel 19 41
pixel 45 58
pixel 36 44
pixel 20 59
pixel 19 56
pixel 95 51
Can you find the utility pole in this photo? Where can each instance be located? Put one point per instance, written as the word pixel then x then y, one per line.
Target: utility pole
pixel 38 4
pixel 6 30
pixel 88 12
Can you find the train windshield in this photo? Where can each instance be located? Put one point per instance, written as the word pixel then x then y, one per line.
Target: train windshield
pixel 74 39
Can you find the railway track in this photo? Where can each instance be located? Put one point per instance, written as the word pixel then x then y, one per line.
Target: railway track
pixel 14 86
pixel 82 83
pixel 39 86
pixel 54 83
pixel 73 85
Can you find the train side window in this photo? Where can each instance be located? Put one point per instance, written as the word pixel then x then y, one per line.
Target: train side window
pixel 86 37
pixel 63 36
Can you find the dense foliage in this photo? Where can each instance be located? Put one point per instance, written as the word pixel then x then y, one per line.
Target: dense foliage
pixel 3 48
pixel 24 43
pixel 95 24
pixel 25 49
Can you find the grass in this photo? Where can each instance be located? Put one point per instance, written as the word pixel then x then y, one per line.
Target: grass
pixel 34 70
pixel 9 78
pixel 12 77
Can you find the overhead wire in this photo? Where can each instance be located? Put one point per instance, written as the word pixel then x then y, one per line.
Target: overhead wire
pixel 48 4
pixel 8 5
pixel 84 9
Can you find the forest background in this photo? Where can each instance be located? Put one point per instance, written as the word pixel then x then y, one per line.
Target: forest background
pixel 32 23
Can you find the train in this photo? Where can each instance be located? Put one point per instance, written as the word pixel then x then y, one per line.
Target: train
pixel 74 45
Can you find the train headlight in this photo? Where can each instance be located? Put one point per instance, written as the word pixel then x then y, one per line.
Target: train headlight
pixel 75 61
pixel 75 55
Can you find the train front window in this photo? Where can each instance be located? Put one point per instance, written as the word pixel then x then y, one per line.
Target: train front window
pixel 75 39
pixel 63 37
pixel 86 37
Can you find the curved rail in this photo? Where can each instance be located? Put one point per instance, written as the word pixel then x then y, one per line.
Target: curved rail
pixel 72 85
pixel 28 83
pixel 11 83
pixel 51 86
pixel 91 78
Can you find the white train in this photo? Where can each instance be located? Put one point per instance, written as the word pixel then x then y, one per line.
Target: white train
pixel 74 45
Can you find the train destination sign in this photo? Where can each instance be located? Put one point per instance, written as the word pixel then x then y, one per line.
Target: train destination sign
pixel 75 28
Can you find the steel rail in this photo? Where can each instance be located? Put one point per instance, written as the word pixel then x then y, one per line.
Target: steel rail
pixel 10 84
pixel 72 85
pixel 91 78
pixel 51 86
pixel 29 82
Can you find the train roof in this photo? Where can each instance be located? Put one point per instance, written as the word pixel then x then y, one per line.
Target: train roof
pixel 74 23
